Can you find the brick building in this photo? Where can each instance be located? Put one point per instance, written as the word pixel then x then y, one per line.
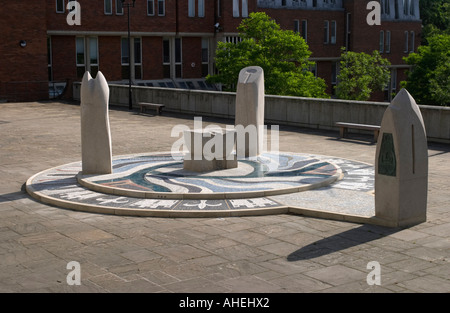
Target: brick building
pixel 173 41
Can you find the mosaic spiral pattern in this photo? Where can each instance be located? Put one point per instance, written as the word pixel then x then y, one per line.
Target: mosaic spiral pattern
pixel 268 172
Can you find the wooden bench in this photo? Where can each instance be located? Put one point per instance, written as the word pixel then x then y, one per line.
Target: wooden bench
pixel 345 126
pixel 145 105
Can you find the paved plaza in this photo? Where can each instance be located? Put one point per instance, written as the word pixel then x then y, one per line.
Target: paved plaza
pixel 279 253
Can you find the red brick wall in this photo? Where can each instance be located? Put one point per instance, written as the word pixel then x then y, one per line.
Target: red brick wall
pixel 110 57
pixel 192 62
pixel 23 71
pixel 152 57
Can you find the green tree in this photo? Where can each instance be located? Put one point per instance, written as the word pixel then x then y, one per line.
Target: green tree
pixel 282 54
pixel 435 15
pixel 429 79
pixel 360 74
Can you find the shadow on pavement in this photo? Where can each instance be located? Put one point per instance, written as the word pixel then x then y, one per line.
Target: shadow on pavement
pixel 341 241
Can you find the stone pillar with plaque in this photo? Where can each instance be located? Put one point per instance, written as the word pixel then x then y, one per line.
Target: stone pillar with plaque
pixel 401 164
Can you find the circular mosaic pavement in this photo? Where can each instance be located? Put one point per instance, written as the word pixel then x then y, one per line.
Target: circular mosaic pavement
pixel 163 176
pixel 157 185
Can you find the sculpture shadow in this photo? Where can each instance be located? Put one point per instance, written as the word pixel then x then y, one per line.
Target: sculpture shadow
pixel 341 241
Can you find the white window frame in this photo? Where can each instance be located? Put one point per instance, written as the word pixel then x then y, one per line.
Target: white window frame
pixel 201 8
pixel 412 43
pixel 63 6
pixel 161 5
pixel 388 42
pixel 304 31
pixel 333 32
pixel 236 11
pixel 297 26
pixel 104 7
pixel 406 48
pixel 122 40
pixel 151 4
pixel 119 6
pixel 191 8
pixel 244 8
pixel 326 29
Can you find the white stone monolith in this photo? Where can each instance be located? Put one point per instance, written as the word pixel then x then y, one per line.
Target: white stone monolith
pixel 96 148
pixel 250 111
pixel 401 164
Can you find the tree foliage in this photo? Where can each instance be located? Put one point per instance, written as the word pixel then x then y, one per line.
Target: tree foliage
pixel 429 78
pixel 435 15
pixel 360 74
pixel 282 54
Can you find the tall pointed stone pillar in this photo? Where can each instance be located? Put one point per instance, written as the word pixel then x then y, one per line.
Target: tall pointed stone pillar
pixel 249 118
pixel 96 149
pixel 401 164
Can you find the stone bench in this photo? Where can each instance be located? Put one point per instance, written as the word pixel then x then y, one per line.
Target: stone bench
pixel 145 105
pixel 345 126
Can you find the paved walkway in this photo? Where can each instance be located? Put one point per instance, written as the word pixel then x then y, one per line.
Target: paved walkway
pixel 278 253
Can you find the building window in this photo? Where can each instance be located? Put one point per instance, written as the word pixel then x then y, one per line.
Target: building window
pixel 205 57
pixel 200 8
pixel 333 32
pixel 93 56
pixel 166 58
pixel 49 58
pixel 119 7
pixel 151 7
pixel 382 41
pixel 413 39
pixel 161 7
pixel 236 8
pixel 108 7
pixel 191 8
pixel 333 73
pixel 137 58
pixel 412 8
pixel 296 26
pixel 388 41
pixel 326 32
pixel 405 7
pixel 219 6
pixel 406 42
pixel 244 8
pixel 80 57
pixel 178 58
pixel 172 57
pixel 305 30
pixel 313 69
pixel 60 7
pixel 397 9
pixel 232 39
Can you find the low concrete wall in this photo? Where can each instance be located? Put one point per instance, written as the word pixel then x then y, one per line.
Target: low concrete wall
pixel 281 110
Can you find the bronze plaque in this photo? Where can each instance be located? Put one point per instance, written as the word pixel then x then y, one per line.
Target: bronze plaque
pixel 387 163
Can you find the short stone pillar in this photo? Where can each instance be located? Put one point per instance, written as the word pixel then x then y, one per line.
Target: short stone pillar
pixel 96 147
pixel 210 150
pixel 401 164
pixel 250 111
